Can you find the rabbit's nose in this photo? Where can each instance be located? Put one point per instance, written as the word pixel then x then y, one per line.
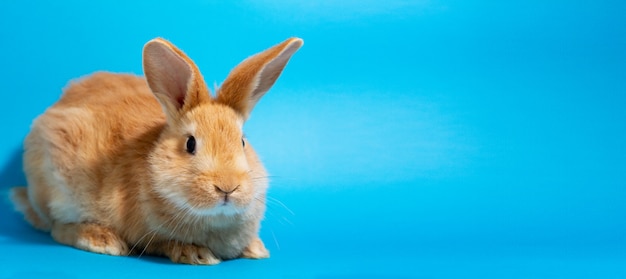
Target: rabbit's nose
pixel 226 190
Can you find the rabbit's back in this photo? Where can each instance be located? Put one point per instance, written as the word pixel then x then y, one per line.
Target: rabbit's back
pixel 111 95
pixel 77 143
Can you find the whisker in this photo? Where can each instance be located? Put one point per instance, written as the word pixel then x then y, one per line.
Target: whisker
pixel 280 203
pixel 146 234
pixel 278 218
pixel 189 224
pixel 287 220
pixel 270 213
pixel 154 232
pixel 139 241
pixel 275 239
pixel 182 215
pixel 264 177
pixel 148 244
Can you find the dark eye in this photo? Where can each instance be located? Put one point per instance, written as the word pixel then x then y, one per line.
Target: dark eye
pixel 191 145
pixel 243 142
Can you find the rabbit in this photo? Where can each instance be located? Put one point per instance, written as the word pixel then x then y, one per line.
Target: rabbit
pixel 126 165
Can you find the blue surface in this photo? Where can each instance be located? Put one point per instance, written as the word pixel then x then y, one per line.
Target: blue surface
pixel 406 139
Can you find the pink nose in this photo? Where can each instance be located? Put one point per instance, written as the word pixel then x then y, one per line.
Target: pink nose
pixel 227 190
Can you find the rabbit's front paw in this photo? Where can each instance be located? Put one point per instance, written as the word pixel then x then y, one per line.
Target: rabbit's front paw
pixel 255 250
pixel 191 254
pixel 90 237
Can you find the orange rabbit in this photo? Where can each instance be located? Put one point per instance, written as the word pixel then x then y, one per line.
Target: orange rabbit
pixel 111 169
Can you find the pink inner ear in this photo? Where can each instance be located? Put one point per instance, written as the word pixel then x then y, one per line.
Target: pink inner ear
pixel 180 100
pixel 167 73
pixel 179 74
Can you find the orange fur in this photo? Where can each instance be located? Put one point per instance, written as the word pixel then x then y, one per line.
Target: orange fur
pixel 108 169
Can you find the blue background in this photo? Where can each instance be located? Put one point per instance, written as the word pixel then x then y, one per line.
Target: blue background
pixel 406 139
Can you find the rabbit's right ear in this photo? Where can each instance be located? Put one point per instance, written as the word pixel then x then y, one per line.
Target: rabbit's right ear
pixel 251 79
pixel 173 78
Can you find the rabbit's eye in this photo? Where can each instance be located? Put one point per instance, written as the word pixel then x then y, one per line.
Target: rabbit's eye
pixel 243 142
pixel 191 145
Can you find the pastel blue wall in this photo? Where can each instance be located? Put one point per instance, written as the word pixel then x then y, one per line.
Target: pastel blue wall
pixel 406 139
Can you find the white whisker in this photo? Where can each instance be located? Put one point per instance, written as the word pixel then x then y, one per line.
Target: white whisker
pixel 281 204
pixel 148 244
pixel 275 239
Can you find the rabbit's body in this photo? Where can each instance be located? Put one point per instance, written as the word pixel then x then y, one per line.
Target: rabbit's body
pixel 114 170
pixel 85 142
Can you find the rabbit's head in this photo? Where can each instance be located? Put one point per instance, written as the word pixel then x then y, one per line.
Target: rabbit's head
pixel 202 163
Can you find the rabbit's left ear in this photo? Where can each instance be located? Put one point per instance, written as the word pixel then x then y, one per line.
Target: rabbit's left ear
pixel 251 79
pixel 173 78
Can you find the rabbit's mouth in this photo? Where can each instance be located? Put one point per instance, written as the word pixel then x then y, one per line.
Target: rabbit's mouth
pixel 223 203
pixel 226 195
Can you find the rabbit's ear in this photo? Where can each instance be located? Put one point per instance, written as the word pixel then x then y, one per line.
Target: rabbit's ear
pixel 251 79
pixel 173 78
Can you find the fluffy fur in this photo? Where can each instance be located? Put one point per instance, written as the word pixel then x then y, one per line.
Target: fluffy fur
pixel 108 170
